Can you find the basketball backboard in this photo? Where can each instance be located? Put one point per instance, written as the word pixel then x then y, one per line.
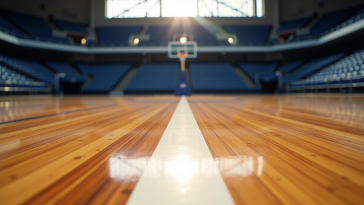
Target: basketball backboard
pixel 189 47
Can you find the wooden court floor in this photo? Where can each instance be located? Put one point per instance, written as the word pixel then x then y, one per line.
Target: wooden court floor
pixel 288 149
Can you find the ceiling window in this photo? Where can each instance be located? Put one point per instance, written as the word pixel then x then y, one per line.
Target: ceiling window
pixel 186 8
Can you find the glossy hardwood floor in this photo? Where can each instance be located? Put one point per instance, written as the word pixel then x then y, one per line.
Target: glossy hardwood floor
pixel 299 149
pixel 295 149
pixel 92 155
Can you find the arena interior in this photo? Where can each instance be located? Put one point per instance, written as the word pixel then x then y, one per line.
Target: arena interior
pixel 200 102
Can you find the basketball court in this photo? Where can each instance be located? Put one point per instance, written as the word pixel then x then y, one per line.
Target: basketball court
pixel 182 102
pixel 296 149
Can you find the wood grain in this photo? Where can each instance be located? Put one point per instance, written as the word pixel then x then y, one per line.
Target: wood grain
pixel 297 149
pixel 92 156
pixel 294 149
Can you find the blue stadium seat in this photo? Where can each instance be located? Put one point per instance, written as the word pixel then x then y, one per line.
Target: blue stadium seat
pixel 8 27
pixel 105 75
pixel 293 25
pixel 201 35
pixel 350 68
pixel 116 35
pixel 35 26
pixel 72 26
pixel 31 68
pixel 311 67
pixel 155 77
pixel 291 65
pixel 7 74
pixel 217 77
pixel 161 35
pixel 61 67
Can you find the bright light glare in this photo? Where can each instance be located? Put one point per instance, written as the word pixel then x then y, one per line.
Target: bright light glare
pixel 231 40
pixel 183 8
pixel 136 41
pixel 259 8
pixel 183 39
pixel 182 168
pixel 183 190
pixel 83 41
pixel 178 8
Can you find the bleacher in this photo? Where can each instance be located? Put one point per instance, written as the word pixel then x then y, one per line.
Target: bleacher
pixel 217 77
pixel 72 26
pixel 31 68
pixel 34 26
pixel 347 72
pixel 11 80
pixel 291 65
pixel 161 35
pixel 249 34
pixel 155 77
pixel 202 36
pixel 311 67
pixel 327 23
pixel 8 27
pixel 105 75
pixel 116 36
pixel 330 20
pixel 255 69
pixel 61 67
pixel 293 25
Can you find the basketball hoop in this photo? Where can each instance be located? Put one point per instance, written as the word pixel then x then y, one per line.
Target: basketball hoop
pixel 182 51
pixel 182 56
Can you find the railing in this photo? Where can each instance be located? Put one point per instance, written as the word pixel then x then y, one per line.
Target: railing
pixel 27 86
pixel 303 85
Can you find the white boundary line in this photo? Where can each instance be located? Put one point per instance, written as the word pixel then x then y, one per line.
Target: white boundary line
pixel 181 169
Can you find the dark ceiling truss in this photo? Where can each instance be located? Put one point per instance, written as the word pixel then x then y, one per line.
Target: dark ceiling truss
pixel 156 3
pixel 127 10
pixel 232 8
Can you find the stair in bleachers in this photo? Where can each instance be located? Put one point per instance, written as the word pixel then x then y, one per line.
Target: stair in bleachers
pixel 252 69
pixel 119 88
pixel 61 67
pixel 154 78
pixel 217 77
pixel 291 66
pixel 105 75
pixel 244 77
